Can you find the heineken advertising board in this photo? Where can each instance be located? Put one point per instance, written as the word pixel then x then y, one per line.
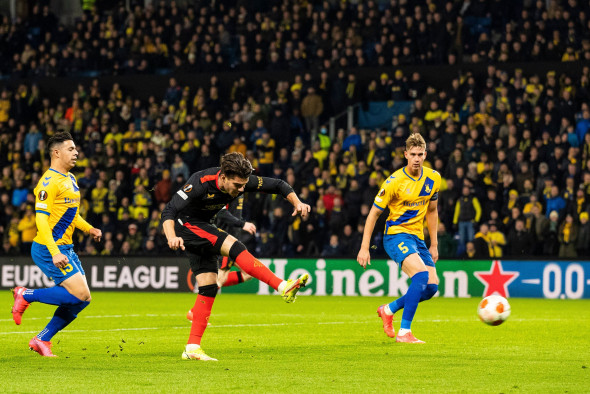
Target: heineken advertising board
pixel 337 277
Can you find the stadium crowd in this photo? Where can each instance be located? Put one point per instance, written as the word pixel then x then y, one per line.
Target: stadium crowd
pixel 274 35
pixel 513 148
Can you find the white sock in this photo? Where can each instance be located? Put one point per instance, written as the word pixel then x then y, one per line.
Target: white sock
pixel 191 347
pixel 403 331
pixel 387 310
pixel 282 286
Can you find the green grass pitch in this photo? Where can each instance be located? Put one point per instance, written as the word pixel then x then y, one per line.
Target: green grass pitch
pixel 132 342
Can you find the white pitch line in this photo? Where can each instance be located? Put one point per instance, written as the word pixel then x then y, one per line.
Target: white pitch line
pixel 214 326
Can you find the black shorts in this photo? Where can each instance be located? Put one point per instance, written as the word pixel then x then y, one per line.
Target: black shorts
pixel 202 242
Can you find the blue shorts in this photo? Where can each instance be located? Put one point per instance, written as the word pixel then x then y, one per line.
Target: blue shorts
pixel 43 259
pixel 400 246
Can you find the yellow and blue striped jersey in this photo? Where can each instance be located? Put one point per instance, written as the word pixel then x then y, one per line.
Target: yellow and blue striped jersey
pixel 407 199
pixel 57 195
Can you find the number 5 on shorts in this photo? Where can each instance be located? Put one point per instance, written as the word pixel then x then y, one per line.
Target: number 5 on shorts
pixel 403 248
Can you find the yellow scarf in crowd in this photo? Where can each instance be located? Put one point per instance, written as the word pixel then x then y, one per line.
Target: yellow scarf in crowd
pixel 566 232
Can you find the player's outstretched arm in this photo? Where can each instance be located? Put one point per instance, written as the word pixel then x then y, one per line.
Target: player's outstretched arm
pixel 364 256
pixel 299 207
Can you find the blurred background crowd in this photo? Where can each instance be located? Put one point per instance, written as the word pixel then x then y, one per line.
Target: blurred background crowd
pixel 512 146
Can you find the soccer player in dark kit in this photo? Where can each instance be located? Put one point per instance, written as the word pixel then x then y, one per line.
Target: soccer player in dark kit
pixel 187 226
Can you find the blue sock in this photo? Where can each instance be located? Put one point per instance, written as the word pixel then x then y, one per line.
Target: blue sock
pixel 63 316
pixel 427 294
pixel 398 304
pixel 55 295
pixel 412 298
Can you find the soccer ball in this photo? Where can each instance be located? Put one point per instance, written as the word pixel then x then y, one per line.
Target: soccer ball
pixel 493 310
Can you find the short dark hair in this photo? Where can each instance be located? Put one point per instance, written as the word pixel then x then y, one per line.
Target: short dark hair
pixel 235 164
pixel 57 139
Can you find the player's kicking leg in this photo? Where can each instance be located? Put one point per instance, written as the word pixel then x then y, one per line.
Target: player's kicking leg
pixel 253 267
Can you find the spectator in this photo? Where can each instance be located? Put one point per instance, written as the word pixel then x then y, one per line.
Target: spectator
pixel 470 252
pixel 447 245
pixel 555 203
pixel 163 189
pixel 179 167
pixel 482 243
pixel 32 140
pixel 311 109
pixel 133 240
pixel 568 237
pixel 467 212
pixel 265 147
pixel 497 240
pixel 28 230
pixel 520 240
pixel 333 248
pixel 19 194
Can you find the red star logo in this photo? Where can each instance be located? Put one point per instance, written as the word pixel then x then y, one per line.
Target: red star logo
pixel 496 280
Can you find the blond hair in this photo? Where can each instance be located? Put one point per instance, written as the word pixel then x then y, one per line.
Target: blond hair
pixel 415 140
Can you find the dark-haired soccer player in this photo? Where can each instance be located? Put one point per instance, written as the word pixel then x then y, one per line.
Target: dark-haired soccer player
pixel 410 193
pixel 57 202
pixel 186 222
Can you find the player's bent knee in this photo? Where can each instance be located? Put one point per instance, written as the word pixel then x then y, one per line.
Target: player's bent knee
pixel 429 292
pixel 208 290
pixel 236 249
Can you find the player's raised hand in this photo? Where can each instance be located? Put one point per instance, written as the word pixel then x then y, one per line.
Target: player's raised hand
pixel 60 260
pixel 364 258
pixel 175 243
pixel 249 227
pixel 302 209
pixel 96 234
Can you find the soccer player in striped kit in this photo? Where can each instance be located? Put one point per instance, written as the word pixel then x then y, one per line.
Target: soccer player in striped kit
pixel 410 193
pixel 57 215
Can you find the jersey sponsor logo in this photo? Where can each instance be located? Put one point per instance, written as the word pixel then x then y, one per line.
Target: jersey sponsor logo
pixel 71 200
pixel 187 188
pixel 42 195
pixel 182 194
pixel 259 182
pixel 210 195
pixel 41 205
pixel 378 199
